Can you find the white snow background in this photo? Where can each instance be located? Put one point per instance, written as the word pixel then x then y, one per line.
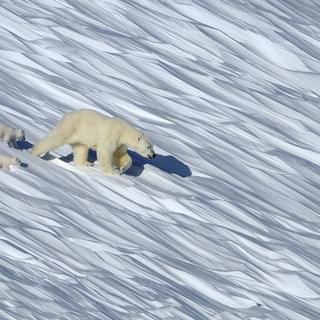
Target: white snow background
pixel 224 223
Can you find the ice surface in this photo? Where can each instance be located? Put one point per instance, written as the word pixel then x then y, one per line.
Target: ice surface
pixel 224 223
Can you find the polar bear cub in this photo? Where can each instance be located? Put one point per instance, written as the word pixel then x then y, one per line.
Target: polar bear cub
pixel 7 161
pixel 87 129
pixel 11 135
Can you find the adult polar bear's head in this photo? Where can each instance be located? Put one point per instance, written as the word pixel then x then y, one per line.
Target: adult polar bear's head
pixel 137 141
pixel 144 147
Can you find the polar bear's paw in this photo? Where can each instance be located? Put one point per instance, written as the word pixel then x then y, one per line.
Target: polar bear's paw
pixel 122 170
pixel 83 164
pixel 121 160
pixel 125 166
pixel 110 171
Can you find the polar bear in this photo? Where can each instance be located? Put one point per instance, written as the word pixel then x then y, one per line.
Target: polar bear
pixel 11 135
pixel 6 161
pixel 86 129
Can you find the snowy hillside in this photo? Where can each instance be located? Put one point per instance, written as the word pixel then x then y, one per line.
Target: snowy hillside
pixel 224 223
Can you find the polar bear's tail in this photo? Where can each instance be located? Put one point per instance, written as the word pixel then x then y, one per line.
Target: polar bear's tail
pixel 56 138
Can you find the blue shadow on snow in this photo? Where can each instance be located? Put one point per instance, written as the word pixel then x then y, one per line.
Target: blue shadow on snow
pixel 168 164
pixel 23 145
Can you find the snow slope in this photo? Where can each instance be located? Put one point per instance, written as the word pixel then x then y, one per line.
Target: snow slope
pixel 224 223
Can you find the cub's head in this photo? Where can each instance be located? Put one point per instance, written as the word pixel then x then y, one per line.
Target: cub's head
pixel 16 161
pixel 144 146
pixel 20 135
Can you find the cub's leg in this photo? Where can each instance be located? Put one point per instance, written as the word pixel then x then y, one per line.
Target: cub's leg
pixel 9 139
pixel 80 155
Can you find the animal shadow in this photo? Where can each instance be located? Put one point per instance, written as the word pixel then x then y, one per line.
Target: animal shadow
pixel 26 145
pixel 23 145
pixel 169 164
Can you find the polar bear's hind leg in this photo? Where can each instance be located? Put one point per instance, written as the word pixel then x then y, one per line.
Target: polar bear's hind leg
pixel 80 155
pixel 56 138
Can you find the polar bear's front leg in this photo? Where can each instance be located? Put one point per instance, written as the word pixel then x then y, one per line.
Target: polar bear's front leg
pixel 80 155
pixel 104 156
pixel 121 159
pixel 126 163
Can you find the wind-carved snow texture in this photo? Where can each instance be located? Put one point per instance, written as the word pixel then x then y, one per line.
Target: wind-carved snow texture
pixel 224 223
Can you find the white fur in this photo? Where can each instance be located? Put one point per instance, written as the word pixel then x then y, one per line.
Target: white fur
pixel 6 161
pixel 87 129
pixel 11 135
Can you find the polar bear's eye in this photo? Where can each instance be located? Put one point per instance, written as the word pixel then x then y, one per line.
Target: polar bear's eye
pixel 139 138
